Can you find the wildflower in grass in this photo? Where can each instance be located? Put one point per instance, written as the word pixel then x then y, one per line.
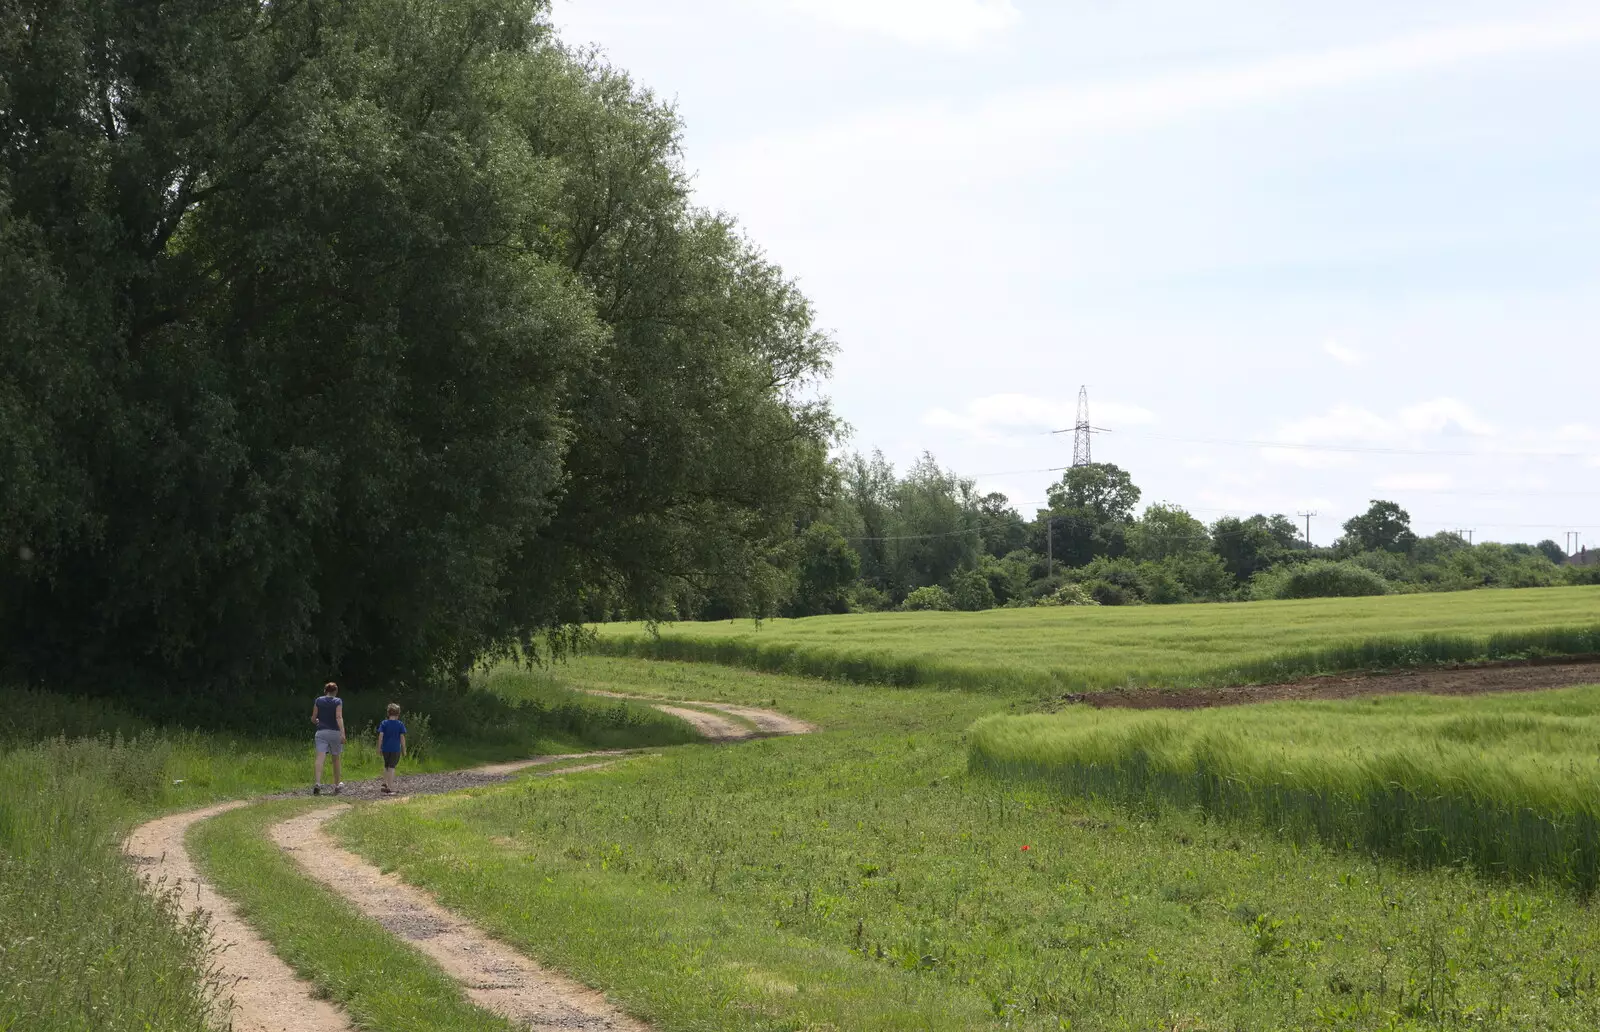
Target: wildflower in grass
pixel 1026 848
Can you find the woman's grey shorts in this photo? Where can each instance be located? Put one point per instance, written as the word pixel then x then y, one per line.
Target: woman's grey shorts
pixel 328 742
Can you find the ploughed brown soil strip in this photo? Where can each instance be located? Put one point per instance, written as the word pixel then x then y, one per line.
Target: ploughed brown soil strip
pixel 1510 676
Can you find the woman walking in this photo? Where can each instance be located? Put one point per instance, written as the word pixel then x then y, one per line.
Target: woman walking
pixel 327 713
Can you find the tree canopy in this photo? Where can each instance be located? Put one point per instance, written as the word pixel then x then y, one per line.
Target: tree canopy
pixel 1383 527
pixel 368 338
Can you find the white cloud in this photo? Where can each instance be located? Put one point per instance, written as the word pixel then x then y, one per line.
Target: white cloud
pixel 1003 132
pixel 1339 353
pixel 1307 459
pixel 1577 433
pixel 1414 482
pixel 1347 426
pixel 1444 416
pixel 997 417
pixel 920 22
pixel 1358 428
pixel 1343 424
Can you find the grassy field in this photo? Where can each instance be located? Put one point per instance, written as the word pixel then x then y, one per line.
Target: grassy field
pixel 1509 784
pixel 82 947
pixel 864 878
pixel 1090 648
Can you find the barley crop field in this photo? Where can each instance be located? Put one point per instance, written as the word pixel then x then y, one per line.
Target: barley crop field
pixel 1091 648
pixel 1506 784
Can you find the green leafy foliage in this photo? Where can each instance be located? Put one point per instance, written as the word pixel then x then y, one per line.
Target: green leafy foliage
pixel 368 339
pixel 1070 595
pixel 826 569
pixel 970 591
pixel 1164 531
pixel 1248 546
pixel 1383 526
pixel 932 598
pixel 1318 578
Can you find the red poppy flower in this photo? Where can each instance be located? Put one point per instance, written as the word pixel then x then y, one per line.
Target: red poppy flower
pixel 1026 848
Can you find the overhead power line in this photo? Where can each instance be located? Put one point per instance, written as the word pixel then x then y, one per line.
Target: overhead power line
pixel 1348 449
pixel 917 537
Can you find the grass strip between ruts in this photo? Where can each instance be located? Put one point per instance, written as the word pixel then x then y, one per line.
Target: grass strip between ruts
pixel 382 983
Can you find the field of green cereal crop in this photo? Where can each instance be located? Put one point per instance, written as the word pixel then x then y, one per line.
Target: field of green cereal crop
pixel 1507 783
pixel 1089 648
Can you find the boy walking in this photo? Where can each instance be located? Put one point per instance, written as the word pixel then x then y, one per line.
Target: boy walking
pixel 392 744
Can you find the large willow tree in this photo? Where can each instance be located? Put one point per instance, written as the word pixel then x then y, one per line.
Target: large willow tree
pixel 367 336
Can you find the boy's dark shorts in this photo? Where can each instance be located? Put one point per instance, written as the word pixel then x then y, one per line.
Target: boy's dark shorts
pixel 391 760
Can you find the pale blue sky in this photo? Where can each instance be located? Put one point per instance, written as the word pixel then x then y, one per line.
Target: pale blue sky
pixel 1364 225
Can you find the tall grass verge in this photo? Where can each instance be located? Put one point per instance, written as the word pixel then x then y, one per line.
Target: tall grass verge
pixel 1506 785
pixel 82 947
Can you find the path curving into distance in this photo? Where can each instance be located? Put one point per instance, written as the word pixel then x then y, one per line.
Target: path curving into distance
pixel 717 727
pixel 263 994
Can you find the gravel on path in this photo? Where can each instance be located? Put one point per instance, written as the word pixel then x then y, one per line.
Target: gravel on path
pixel 444 781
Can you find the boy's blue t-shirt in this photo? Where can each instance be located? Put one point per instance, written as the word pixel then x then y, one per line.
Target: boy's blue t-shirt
pixel 390 732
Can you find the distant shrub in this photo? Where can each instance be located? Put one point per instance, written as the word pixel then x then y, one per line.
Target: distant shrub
pixel 970 591
pixel 1105 593
pixel 1318 578
pixel 1582 574
pixel 930 598
pixel 864 598
pixel 1117 582
pixel 1069 595
pixel 1388 565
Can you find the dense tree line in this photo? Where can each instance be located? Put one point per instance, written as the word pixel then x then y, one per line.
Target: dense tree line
pixel 369 338
pixel 928 540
